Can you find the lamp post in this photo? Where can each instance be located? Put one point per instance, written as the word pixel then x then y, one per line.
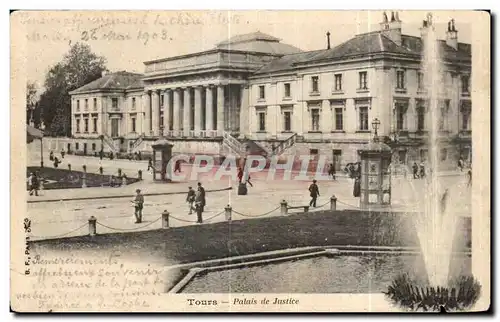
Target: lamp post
pixel 42 127
pixel 375 126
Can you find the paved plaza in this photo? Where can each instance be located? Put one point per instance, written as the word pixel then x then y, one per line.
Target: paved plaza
pixel 54 213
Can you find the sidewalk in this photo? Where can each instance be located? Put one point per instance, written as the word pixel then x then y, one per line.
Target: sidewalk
pixel 147 188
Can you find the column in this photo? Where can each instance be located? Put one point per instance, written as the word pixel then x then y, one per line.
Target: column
pixel 177 110
pixel 220 109
pixel 155 112
pixel 146 107
pixel 209 113
pixel 244 110
pixel 187 112
pixel 197 110
pixel 166 110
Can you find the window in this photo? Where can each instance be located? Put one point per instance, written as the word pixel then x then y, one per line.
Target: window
pixel 77 146
pixel 313 152
pixel 363 118
pixel 95 124
pixel 287 90
pixel 338 82
pixel 262 92
pixel 465 84
pixel 162 100
pixel 162 125
pixel 133 103
pixel 423 154
pixel 465 120
pixel 77 105
pixel 420 80
pixel 133 124
pixel 114 103
pixel 315 84
pixel 93 146
pixel 315 119
pixel 363 80
pixel 77 125
pixel 400 79
pixel 442 119
pixel 287 122
pixel 86 104
pixel 86 125
pixel 400 116
pixel 420 118
pixel 339 118
pixel 95 104
pixel 262 121
pixel 402 156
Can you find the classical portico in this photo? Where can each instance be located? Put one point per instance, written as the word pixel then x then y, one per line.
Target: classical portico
pixel 195 110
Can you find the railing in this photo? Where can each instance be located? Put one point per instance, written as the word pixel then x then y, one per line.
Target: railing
pixel 109 141
pixel 234 145
pixel 137 142
pixel 191 133
pixel 285 145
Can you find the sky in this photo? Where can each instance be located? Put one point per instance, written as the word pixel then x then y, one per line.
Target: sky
pixel 128 38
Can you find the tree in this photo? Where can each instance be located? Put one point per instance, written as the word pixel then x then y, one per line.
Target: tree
pixel 31 101
pixel 78 67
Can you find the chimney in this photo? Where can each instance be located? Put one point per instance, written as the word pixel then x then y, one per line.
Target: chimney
pixel 452 35
pixel 328 40
pixel 426 24
pixel 391 29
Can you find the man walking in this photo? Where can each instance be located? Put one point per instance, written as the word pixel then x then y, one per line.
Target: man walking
pixel 139 204
pixel 314 193
pixel 415 170
pixel 33 184
pixel 190 199
pixel 150 164
pixel 201 196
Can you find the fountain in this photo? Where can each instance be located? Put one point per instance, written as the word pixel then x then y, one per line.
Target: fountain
pixel 435 225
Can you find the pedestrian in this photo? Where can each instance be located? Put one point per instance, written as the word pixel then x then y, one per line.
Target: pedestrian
pixel 177 166
pixel 314 193
pixel 56 162
pixel 33 184
pixel 150 164
pixel 51 156
pixel 139 204
pixel 461 164
pixel 240 174
pixel 191 195
pixel 333 171
pixel 248 181
pixel 202 197
pixel 62 153
pixel 444 199
pixel 422 170
pixel 198 208
pixel 415 170
pixel 469 175
pixel 356 192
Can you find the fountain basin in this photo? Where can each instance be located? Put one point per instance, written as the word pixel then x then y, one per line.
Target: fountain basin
pixel 331 271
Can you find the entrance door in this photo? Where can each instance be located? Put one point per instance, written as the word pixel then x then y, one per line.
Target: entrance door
pixel 69 147
pixel 337 159
pixel 85 148
pixel 114 127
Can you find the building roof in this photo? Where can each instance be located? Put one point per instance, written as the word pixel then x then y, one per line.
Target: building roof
pixel 364 44
pixel 119 81
pixel 258 42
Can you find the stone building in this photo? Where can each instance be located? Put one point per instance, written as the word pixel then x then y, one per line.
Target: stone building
pixel 254 93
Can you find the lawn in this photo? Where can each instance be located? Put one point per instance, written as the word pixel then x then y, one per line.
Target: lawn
pixel 58 178
pixel 210 241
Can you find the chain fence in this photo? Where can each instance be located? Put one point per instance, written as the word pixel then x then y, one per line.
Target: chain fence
pixel 319 208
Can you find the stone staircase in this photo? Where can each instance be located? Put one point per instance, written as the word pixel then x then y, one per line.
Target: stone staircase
pixel 137 143
pixel 110 143
pixel 232 146
pixel 284 145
